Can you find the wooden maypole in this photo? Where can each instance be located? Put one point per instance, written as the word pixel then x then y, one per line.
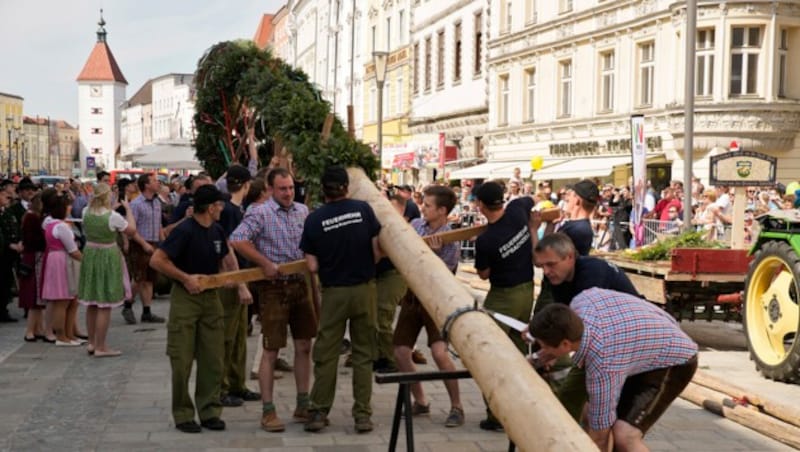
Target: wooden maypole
pixel 526 406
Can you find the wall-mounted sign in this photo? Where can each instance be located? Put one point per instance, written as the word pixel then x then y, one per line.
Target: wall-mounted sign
pixel 742 168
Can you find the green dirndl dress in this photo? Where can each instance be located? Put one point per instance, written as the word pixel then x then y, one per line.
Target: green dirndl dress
pixel 104 279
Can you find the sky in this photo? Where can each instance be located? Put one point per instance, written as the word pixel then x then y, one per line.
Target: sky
pixel 47 42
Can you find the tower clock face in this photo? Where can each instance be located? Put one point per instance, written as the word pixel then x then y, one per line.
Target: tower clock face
pixel 96 90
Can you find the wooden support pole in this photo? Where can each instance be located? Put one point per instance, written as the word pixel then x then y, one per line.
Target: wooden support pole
pixel 750 417
pixel 776 409
pixel 532 416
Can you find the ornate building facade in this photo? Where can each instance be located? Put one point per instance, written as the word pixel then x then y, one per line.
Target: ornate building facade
pixel 565 77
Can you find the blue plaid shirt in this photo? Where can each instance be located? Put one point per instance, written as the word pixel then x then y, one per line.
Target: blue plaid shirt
pixel 623 335
pixel 274 230
pixel 147 213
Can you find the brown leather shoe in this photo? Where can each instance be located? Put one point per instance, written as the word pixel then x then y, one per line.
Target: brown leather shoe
pixel 301 414
pixel 270 422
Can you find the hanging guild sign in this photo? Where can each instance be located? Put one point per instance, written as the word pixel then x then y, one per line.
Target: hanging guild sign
pixel 742 168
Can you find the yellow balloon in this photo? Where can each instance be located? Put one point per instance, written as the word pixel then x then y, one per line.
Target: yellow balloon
pixel 536 163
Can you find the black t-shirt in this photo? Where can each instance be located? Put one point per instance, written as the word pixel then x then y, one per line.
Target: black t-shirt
pixel 581 233
pixel 505 247
pixel 412 211
pixel 196 249
pixel 180 210
pixel 340 235
pixel 383 266
pixel 593 272
pixel 229 219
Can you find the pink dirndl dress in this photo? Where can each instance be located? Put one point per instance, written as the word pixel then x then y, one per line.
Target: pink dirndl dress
pixel 55 281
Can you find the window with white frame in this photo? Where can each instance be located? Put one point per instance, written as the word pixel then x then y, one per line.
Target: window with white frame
pixel 704 64
pixel 745 47
pixel 457 52
pixel 531 16
pixel 530 93
pixel 783 57
pixel 428 63
pixel 564 6
pixel 504 91
pixel 565 82
pixel 417 59
pixel 478 43
pixel 647 65
pixel 607 64
pixel 399 105
pixel 374 37
pixel 440 59
pixel 509 16
pixel 401 23
pixel 388 33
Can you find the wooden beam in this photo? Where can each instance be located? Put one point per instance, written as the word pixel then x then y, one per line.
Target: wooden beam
pixel 513 390
pixel 299 266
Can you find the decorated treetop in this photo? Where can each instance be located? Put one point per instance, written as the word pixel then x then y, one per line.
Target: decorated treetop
pixel 247 100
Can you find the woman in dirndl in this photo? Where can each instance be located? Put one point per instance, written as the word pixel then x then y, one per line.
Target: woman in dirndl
pixel 104 281
pixel 29 272
pixel 60 252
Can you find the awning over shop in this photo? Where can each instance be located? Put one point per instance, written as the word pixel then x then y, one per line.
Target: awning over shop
pixel 166 155
pixel 482 171
pixel 582 168
pixel 524 166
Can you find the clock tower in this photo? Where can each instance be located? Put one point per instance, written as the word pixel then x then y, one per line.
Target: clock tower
pixel 101 92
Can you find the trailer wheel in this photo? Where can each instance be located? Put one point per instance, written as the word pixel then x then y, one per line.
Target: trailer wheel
pixel 771 314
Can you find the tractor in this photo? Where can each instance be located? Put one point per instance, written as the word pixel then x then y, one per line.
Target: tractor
pixel 771 312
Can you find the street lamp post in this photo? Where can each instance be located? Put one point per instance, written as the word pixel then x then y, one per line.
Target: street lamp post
pixel 9 122
pixel 379 58
pixel 20 151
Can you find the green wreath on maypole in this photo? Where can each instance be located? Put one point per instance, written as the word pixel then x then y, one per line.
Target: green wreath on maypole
pixel 247 97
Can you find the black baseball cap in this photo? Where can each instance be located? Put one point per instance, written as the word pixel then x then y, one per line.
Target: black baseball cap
pixel 490 194
pixel 237 174
pixel 335 177
pixel 206 195
pixel 586 189
pixel 405 188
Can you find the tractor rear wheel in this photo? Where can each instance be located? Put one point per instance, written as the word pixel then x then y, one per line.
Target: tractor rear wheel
pixel 771 311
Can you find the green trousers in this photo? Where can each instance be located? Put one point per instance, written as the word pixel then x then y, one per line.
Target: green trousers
pixel 391 287
pixel 516 302
pixel 235 319
pixel 355 304
pixel 195 332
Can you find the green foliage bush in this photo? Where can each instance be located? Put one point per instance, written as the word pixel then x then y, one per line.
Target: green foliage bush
pixel 247 85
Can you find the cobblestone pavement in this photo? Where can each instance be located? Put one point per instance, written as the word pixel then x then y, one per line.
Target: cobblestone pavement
pixel 62 399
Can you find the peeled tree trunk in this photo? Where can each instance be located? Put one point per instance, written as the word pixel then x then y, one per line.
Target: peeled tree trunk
pixel 526 406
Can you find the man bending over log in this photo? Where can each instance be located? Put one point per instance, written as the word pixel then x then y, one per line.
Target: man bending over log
pixel 636 357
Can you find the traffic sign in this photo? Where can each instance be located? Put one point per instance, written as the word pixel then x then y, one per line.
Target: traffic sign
pixel 90 163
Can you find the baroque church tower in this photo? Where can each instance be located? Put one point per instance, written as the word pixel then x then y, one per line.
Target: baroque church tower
pixel 101 92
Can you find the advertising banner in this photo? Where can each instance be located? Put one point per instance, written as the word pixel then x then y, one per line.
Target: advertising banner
pixel 639 151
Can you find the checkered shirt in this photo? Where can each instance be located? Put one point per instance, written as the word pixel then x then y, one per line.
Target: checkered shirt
pixel 623 335
pixel 449 252
pixel 274 230
pixel 147 214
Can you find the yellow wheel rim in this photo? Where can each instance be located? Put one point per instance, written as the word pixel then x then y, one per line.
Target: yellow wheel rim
pixel 771 310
